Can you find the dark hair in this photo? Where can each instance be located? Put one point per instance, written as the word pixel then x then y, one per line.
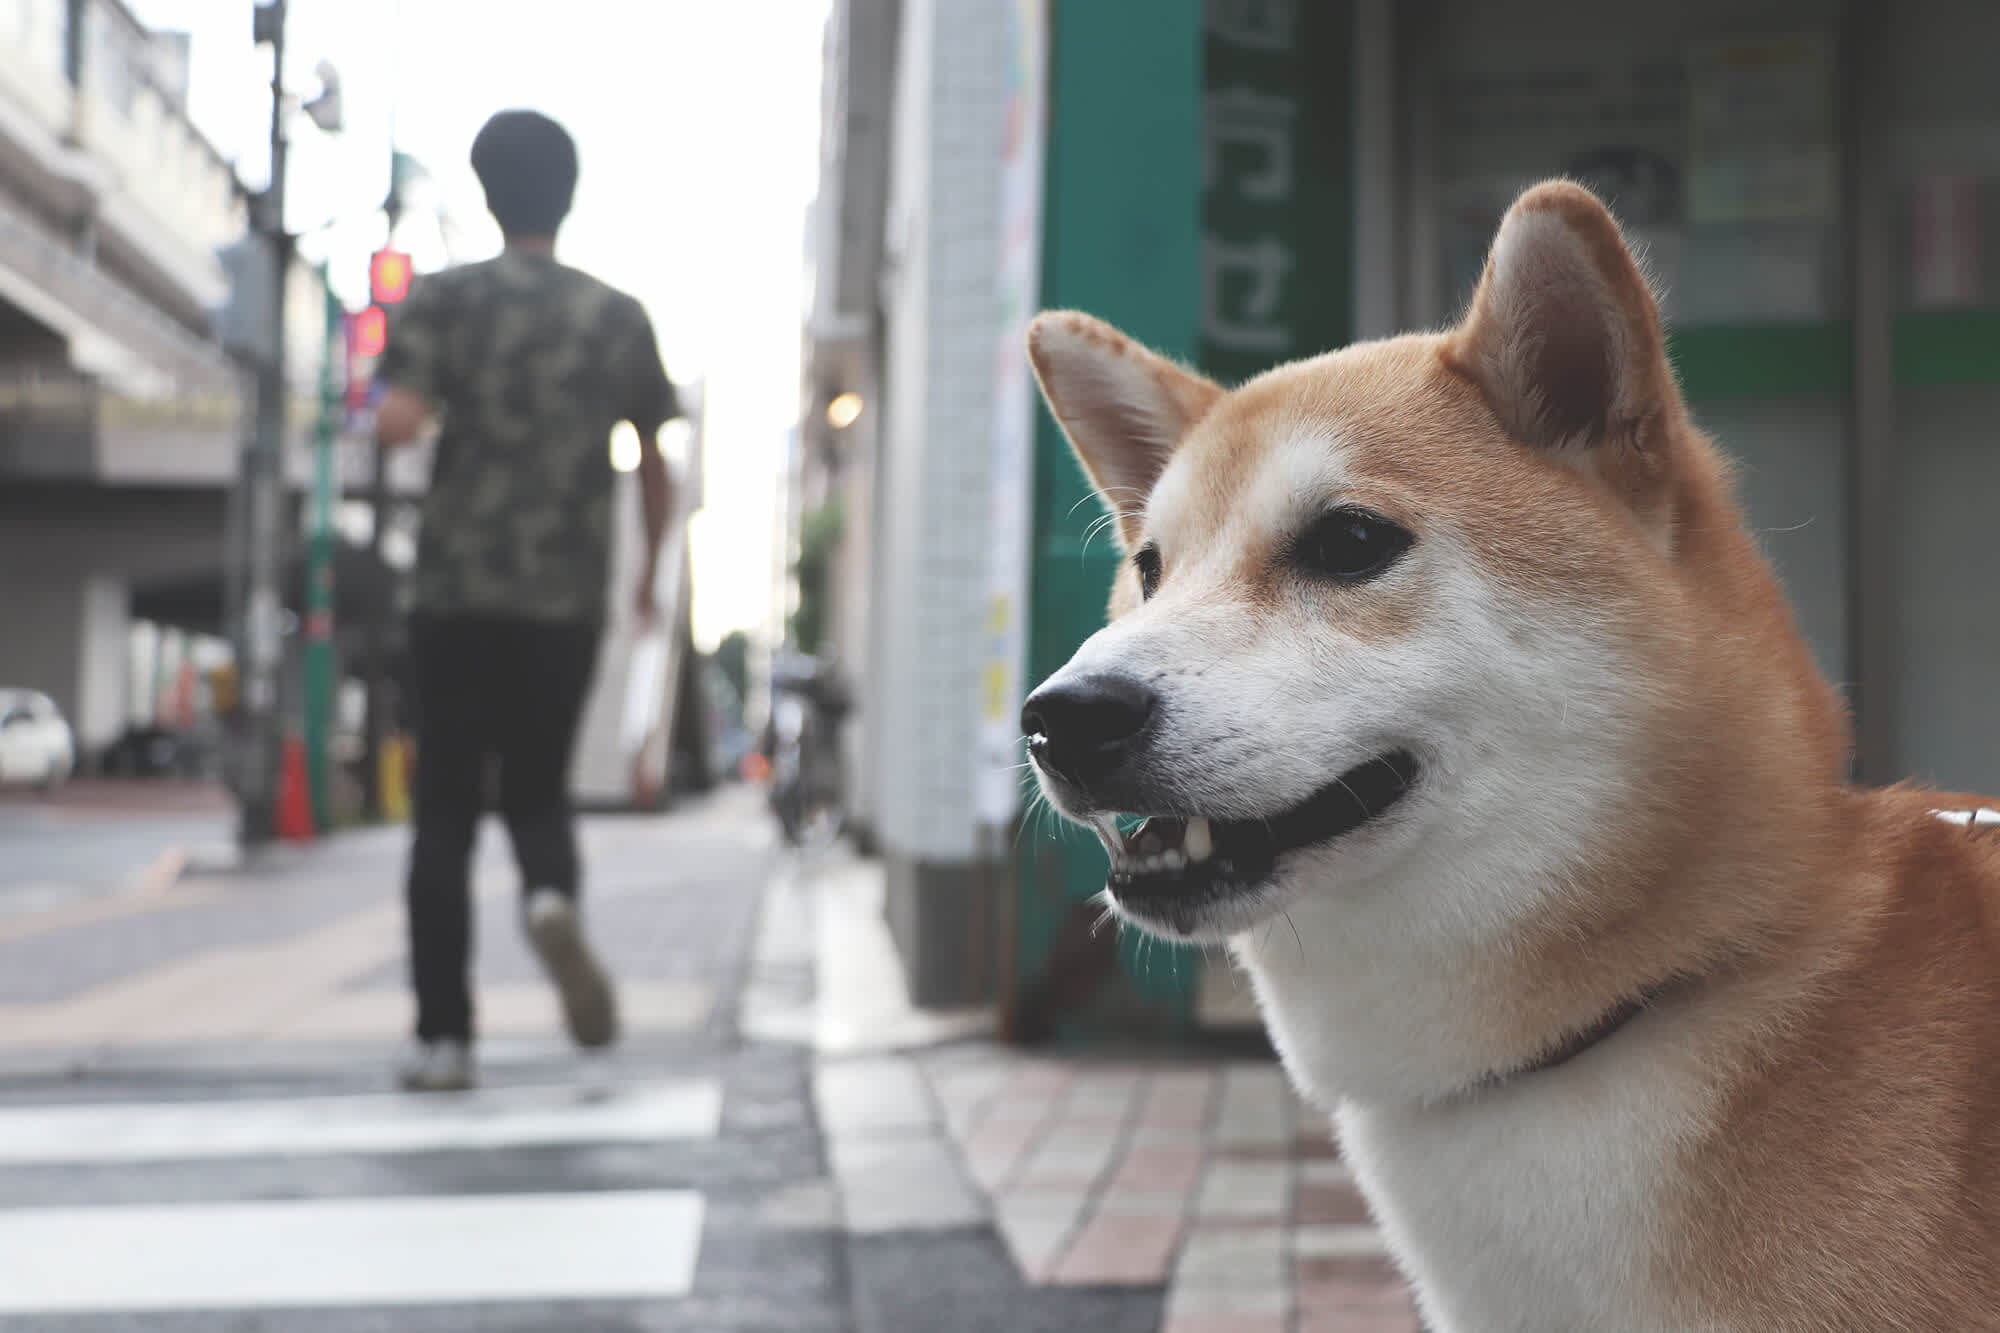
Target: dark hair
pixel 527 163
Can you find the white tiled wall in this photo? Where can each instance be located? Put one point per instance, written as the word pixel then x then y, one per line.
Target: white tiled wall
pixel 943 242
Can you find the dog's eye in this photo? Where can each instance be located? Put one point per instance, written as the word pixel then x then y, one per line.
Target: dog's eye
pixel 1350 545
pixel 1147 561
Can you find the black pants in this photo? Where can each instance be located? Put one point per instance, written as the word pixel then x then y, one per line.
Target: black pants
pixel 497 701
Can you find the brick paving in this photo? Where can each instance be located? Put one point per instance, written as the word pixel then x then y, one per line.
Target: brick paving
pixel 1212 1180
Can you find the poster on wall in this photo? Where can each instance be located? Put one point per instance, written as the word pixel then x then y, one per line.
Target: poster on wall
pixel 1017 291
pixel 1944 230
pixel 1763 141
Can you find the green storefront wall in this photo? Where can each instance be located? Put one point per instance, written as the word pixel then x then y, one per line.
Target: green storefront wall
pixel 1134 212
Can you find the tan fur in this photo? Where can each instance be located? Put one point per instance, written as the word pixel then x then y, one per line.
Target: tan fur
pixel 1838 948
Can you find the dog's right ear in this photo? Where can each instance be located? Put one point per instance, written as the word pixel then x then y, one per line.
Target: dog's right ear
pixel 1125 409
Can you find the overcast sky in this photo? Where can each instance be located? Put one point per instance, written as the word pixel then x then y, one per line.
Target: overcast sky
pixel 698 125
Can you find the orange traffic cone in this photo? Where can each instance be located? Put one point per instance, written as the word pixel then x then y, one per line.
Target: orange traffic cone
pixel 294 814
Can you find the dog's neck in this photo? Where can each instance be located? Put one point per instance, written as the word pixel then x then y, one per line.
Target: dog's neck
pixel 1570 1046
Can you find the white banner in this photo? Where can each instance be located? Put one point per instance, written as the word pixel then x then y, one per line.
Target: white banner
pixel 1017 293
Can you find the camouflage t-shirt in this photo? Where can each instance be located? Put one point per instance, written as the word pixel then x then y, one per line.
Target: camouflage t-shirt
pixel 529 365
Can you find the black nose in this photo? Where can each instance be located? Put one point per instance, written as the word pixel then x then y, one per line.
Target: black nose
pixel 1082 729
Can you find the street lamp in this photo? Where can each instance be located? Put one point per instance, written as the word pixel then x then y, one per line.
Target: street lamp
pixel 844 410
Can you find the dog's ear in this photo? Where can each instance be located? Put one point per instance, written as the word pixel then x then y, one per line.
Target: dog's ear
pixel 1124 408
pixel 1563 337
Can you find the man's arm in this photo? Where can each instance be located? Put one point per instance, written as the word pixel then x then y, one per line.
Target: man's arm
pixel 400 416
pixel 656 494
pixel 410 367
pixel 650 403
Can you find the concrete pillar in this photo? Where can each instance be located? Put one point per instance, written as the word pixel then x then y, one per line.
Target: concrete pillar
pixel 103 625
pixel 66 637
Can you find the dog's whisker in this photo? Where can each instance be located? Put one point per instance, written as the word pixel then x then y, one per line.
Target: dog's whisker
pixel 1295 935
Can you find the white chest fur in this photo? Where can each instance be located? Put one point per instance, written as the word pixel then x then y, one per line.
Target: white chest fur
pixel 1536 1207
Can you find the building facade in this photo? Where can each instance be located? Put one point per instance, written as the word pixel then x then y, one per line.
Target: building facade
pixel 122 415
pixel 1816 187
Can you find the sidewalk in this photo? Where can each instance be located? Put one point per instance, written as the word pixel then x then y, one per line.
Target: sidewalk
pixel 304 953
pixel 1205 1181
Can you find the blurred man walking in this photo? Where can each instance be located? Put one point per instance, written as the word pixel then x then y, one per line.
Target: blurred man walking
pixel 528 365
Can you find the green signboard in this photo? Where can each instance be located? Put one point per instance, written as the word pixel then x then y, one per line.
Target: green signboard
pixel 1196 196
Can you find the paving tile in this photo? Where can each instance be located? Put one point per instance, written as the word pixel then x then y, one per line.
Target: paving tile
pixel 1336 1242
pixel 966 1092
pixel 1071 1154
pixel 1111 1090
pixel 1012 1105
pixel 1377 1297
pixel 1377 1268
pixel 902 1184
pixel 1159 1169
pixel 1126 1251
pixel 1065 1203
pixel 1041 1078
pixel 1254 1109
pixel 1252 1256
pixel 1357 1309
pixel 1226 1323
pixel 1179 1099
pixel 1036 1224
pixel 1167 1136
pixel 1239 1299
pixel 1325 1173
pixel 873 1095
pixel 1312 1130
pixel 1102 1099
pixel 1317 1147
pixel 1351 1321
pixel 995 1150
pixel 1118 1202
pixel 1245 1190
pixel 1340 1204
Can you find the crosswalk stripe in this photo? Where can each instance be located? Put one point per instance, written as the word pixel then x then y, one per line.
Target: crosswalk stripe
pixel 317 1126
pixel 603 1245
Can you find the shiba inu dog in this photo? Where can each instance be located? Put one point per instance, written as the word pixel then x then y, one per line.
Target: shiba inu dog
pixel 1461 703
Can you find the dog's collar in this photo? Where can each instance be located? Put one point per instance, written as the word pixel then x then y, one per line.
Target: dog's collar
pixel 1573 1044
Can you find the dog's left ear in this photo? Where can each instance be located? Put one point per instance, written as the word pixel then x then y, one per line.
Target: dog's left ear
pixel 1124 408
pixel 1564 338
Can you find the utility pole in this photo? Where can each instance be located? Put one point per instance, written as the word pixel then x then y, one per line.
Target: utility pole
pixel 381 611
pixel 260 636
pixel 322 667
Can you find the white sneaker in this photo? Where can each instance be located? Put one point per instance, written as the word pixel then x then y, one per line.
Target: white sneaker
pixel 589 1006
pixel 437 1066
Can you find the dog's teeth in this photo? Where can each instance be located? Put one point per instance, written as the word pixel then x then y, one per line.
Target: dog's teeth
pixel 1106 828
pixel 1199 841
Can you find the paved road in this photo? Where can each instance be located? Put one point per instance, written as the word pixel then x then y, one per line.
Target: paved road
pixel 197 1129
pixel 95 838
pixel 223 1150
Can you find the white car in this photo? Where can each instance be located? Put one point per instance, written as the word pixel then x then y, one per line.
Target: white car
pixel 36 745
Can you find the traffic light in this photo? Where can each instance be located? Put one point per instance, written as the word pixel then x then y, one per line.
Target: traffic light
pixel 243 321
pixel 389 275
pixel 371 332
